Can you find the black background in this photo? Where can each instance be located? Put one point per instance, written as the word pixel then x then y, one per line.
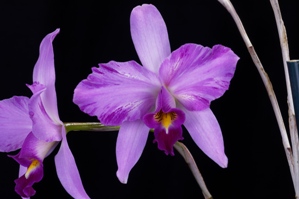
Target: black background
pixel 95 32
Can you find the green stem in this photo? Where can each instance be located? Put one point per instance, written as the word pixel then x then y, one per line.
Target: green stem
pixel 88 126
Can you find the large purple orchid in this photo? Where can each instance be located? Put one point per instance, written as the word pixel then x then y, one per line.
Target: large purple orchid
pixel 168 91
pixel 33 125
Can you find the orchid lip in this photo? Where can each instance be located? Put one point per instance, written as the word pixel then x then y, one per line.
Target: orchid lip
pixel 165 119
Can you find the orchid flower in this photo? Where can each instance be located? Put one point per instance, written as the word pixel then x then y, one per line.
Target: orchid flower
pixel 171 89
pixel 33 125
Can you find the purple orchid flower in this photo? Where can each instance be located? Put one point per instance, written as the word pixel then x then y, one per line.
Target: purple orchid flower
pixel 33 125
pixel 170 90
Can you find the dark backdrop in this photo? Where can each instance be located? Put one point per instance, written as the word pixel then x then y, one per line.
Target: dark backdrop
pixel 98 31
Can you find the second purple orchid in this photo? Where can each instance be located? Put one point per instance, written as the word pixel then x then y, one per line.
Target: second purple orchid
pixel 169 90
pixel 33 126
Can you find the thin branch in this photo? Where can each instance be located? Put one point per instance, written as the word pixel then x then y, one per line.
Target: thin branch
pixel 292 122
pixel 284 49
pixel 285 140
pixel 183 150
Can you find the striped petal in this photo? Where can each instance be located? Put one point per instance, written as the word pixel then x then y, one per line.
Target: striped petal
pixel 117 92
pixel 196 75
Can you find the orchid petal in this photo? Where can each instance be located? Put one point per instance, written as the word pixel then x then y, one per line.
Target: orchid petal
pixel 15 123
pixel 43 126
pixel 130 143
pixel 117 92
pixel 149 35
pixel 22 170
pixel 44 73
pixel 67 170
pixel 206 133
pixel 196 75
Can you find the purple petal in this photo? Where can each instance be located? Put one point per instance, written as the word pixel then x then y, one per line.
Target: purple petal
pixel 196 75
pixel 130 143
pixel 206 133
pixel 67 170
pixel 22 170
pixel 15 123
pixel 117 92
pixel 150 37
pixel 43 127
pixel 44 73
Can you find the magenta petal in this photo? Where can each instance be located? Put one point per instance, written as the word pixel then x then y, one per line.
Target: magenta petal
pixel 32 150
pixel 196 75
pixel 166 137
pixel 43 127
pixel 117 92
pixel 24 186
pixel 150 37
pixel 167 140
pixel 44 73
pixel 206 133
pixel 15 123
pixel 130 143
pixel 67 170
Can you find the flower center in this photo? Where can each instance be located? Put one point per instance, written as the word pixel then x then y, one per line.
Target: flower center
pixel 34 164
pixel 165 119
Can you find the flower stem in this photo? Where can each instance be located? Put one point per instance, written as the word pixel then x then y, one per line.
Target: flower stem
pixel 285 140
pixel 183 150
pixel 284 50
pixel 88 126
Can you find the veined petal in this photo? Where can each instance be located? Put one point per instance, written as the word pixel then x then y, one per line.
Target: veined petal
pixel 206 133
pixel 43 127
pixel 150 37
pixel 44 73
pixel 15 123
pixel 196 75
pixel 117 92
pixel 67 170
pixel 130 143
